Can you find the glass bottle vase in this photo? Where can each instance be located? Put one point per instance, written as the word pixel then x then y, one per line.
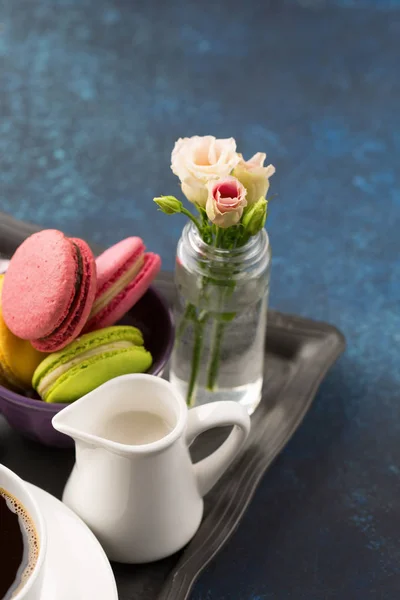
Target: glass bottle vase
pixel 220 313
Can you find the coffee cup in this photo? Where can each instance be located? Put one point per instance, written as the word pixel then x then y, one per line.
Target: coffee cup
pixel 22 540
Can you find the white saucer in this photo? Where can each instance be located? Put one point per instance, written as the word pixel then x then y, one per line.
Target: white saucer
pixel 76 565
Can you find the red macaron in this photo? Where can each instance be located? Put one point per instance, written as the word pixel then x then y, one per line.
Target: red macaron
pixel 124 273
pixel 49 289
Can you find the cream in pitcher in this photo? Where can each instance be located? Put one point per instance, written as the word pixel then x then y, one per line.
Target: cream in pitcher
pixel 133 482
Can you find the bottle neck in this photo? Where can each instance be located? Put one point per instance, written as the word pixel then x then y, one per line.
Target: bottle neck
pixel 252 258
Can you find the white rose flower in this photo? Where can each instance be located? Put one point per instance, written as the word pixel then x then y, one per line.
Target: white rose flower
pixel 254 176
pixel 198 160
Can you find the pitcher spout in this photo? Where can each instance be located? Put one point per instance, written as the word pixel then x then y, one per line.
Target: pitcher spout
pixel 84 419
pixel 87 419
pixel 75 421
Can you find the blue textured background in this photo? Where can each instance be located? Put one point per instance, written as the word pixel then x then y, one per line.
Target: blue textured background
pixel 93 95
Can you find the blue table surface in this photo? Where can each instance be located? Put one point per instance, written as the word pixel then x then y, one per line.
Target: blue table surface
pixel 93 94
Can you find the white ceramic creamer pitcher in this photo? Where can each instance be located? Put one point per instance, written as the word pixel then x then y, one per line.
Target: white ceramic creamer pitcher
pixel 144 502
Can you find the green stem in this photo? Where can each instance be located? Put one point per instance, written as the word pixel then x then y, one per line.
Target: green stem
pixel 187 212
pixel 189 314
pixel 203 215
pixel 219 237
pixel 243 239
pixel 196 358
pixel 213 369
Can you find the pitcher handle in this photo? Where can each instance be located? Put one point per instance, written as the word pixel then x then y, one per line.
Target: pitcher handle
pixel 217 414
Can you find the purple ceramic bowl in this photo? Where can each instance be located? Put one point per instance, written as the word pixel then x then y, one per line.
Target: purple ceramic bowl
pixel 32 417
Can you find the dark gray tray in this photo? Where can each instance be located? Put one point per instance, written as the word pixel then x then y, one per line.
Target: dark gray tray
pixel 298 354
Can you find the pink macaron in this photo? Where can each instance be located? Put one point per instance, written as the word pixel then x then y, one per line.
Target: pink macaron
pixel 49 289
pixel 124 273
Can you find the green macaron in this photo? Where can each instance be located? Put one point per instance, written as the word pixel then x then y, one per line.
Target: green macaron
pixel 89 361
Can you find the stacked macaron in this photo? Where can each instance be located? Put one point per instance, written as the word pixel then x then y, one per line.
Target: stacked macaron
pixel 90 361
pixel 18 358
pixel 53 291
pixel 124 273
pixel 49 289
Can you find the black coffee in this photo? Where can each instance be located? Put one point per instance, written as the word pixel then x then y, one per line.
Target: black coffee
pixel 19 547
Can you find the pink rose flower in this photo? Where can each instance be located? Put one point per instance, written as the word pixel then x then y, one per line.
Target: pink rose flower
pixel 226 201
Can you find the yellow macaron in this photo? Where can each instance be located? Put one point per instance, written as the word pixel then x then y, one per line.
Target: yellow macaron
pixel 18 358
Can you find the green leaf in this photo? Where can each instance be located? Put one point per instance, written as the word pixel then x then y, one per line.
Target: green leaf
pixel 227 317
